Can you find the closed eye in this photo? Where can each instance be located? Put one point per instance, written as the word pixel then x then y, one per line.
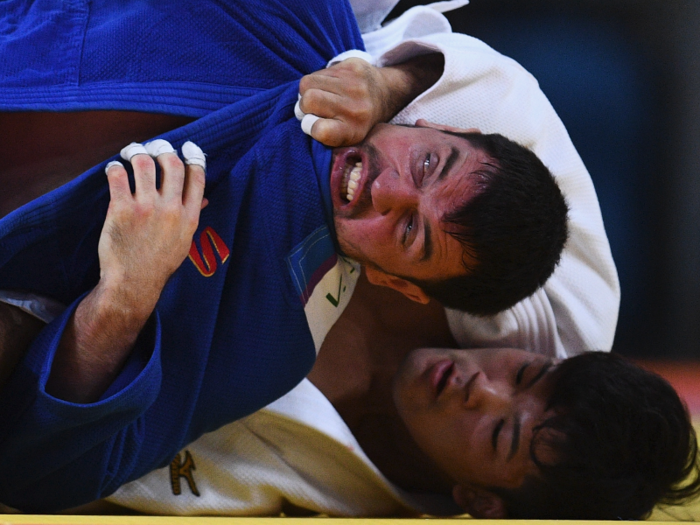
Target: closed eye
pixel 545 368
pixel 520 373
pixel 496 432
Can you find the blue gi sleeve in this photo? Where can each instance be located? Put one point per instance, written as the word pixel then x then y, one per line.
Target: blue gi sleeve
pixel 94 440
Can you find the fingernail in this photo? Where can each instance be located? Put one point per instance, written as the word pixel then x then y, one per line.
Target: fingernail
pixel 132 149
pixel 158 147
pixel 194 156
pixel 113 163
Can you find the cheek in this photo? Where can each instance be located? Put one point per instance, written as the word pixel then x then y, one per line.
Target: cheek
pixel 450 449
pixel 440 433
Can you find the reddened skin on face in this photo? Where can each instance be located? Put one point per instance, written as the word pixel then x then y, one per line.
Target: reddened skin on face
pixel 390 194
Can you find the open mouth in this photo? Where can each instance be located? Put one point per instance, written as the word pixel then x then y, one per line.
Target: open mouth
pixel 350 182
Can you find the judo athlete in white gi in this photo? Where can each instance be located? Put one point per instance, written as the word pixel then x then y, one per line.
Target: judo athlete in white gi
pixel 299 452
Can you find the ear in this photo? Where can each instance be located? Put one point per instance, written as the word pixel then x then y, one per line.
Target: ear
pixel 422 123
pixel 479 503
pixel 410 290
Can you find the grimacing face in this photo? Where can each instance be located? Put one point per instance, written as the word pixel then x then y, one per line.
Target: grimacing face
pixel 390 194
pixel 472 411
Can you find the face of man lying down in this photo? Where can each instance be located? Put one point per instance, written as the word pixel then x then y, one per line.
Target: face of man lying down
pixel 390 194
pixel 472 412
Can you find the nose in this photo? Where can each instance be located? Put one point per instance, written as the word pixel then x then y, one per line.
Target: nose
pixel 391 193
pixel 488 396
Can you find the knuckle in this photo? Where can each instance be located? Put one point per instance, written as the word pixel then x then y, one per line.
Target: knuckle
pixel 171 207
pixel 142 162
pixel 197 176
pixel 116 175
pixel 305 83
pixel 356 65
pixel 358 112
pixel 321 134
pixel 144 210
pixel 310 102
pixel 172 162
pixel 363 113
pixel 311 97
pixel 328 135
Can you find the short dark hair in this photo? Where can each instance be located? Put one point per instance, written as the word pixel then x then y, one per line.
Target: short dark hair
pixel 515 228
pixel 622 442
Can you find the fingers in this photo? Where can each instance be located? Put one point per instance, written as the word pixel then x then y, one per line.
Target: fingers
pixel 172 178
pixel 193 194
pixel 336 133
pixel 144 168
pixel 339 105
pixel 194 155
pixel 118 181
pixel 176 179
pixel 307 123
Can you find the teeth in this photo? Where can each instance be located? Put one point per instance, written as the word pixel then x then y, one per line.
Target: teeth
pixel 353 181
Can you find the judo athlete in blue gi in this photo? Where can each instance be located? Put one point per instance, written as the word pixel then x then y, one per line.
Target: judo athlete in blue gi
pixel 235 327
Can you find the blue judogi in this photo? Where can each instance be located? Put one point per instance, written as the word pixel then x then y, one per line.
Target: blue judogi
pixel 229 334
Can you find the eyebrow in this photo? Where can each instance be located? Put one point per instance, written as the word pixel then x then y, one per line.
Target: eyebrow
pixel 454 155
pixel 515 442
pixel 427 236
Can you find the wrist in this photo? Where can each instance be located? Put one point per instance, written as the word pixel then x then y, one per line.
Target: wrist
pixel 127 305
pixel 96 343
pixel 407 80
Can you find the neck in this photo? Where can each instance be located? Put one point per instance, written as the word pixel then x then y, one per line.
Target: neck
pixel 355 368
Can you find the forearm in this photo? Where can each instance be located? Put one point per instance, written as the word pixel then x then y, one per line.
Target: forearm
pixel 97 341
pixel 407 80
pixel 145 238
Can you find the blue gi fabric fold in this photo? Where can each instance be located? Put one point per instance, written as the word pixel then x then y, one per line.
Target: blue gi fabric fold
pixel 229 334
pixel 184 58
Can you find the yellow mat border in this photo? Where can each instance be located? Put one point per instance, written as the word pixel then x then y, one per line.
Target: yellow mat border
pixel 28 519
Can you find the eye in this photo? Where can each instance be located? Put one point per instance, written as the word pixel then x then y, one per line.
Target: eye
pixel 426 167
pixel 409 228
